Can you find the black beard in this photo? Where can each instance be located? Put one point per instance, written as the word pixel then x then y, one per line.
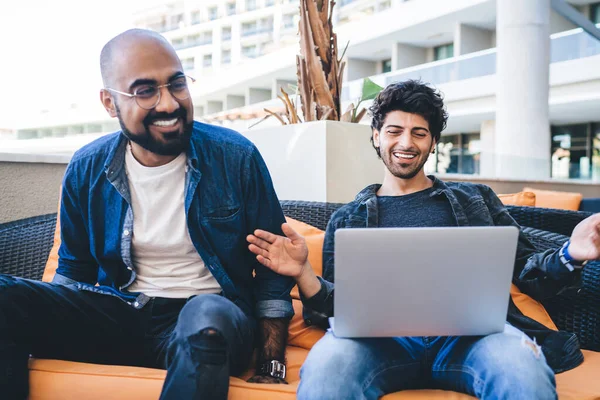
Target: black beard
pixel 178 144
pixel 387 160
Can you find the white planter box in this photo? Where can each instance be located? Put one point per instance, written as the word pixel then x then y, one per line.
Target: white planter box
pixel 319 161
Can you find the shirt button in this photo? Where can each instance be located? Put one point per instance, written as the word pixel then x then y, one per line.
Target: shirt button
pixel 136 304
pixel 126 232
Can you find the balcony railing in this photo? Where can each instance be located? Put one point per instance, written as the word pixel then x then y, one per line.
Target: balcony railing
pixel 564 46
pixel 196 43
pixel 256 31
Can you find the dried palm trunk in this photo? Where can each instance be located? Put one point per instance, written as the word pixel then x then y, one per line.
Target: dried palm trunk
pixel 319 71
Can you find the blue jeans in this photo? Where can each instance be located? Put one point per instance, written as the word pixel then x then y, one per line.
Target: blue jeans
pixel 201 341
pixel 505 365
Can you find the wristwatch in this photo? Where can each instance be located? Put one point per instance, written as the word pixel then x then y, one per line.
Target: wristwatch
pixel 273 368
pixel 567 260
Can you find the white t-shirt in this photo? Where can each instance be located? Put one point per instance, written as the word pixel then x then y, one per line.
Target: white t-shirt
pixel 165 259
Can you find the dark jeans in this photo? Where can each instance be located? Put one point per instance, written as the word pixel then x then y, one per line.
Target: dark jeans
pixel 201 341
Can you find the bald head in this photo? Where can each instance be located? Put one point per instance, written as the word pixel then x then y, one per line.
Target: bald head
pixel 120 45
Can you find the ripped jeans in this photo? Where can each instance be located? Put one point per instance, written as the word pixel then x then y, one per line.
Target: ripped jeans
pixel 505 365
pixel 201 341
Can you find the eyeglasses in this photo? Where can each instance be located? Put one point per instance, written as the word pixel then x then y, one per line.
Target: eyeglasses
pixel 148 96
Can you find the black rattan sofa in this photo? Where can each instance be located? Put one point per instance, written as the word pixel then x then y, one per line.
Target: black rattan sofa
pixel 25 245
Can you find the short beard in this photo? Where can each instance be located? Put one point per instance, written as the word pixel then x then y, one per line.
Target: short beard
pixel 399 174
pixel 173 148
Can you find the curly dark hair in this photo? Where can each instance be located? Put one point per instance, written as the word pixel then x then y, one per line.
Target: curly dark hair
pixel 411 96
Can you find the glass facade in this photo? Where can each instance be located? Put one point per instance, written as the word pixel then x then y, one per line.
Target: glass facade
pixel 456 154
pixel 576 151
pixel 595 13
pixel 386 66
pixel 444 51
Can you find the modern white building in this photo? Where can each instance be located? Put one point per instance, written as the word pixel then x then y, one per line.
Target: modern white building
pixel 521 78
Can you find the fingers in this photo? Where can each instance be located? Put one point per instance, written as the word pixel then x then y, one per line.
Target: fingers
pixel 265 261
pixel 264 235
pixel 258 251
pixel 263 244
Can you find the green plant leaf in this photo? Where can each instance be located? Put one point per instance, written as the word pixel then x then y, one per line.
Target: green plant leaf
pixel 370 90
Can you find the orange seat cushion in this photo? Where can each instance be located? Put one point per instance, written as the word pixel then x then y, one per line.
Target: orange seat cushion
pixel 552 199
pixel 518 199
pixel 76 381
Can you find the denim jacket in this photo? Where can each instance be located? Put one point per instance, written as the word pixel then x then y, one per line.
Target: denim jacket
pixel 228 194
pixel 540 275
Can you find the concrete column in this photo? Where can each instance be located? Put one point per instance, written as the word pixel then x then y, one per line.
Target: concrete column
pixel 405 55
pixel 281 83
pixel 254 95
pixel 358 69
pixel 488 138
pixel 232 102
pixel 469 39
pixel 522 139
pixel 213 107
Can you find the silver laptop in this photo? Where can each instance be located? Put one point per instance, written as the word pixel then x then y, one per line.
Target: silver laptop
pixel 422 281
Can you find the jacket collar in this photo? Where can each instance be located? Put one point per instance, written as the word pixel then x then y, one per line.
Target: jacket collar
pixel 115 161
pixel 370 191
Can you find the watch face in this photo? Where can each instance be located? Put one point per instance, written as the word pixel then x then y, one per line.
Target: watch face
pixel 274 368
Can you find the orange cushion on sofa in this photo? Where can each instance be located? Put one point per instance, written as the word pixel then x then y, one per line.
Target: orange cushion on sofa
pixel 518 199
pixel 314 240
pixel 552 199
pixel 300 334
pixel 531 308
pixel 51 379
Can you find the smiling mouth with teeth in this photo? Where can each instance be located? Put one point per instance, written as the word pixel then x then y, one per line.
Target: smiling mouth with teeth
pixel 162 122
pixel 404 155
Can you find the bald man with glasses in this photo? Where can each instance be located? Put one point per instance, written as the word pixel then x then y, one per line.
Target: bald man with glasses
pixel 154 269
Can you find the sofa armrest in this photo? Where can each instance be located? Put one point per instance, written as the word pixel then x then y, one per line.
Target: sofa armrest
pixel 574 310
pixel 25 245
pixel 548 219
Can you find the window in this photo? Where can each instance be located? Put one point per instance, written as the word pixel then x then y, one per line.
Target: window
pixel 269 3
pixel 213 13
pixel 575 151
pixel 250 51
pixel 249 28
pixel 207 60
pixel 384 5
pixel 595 13
pixel 196 17
pixel 178 43
pixel 250 5
pixel 386 66
pixel 194 40
pixel 596 152
pixel 226 57
pixel 444 51
pixel 188 64
pixel 226 33
pixel 265 25
pixel 456 154
pixel 288 21
pixel 207 37
pixel 231 8
pixel 177 20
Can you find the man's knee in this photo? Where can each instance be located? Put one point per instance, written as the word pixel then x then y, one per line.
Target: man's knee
pixel 332 368
pixel 515 362
pixel 210 314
